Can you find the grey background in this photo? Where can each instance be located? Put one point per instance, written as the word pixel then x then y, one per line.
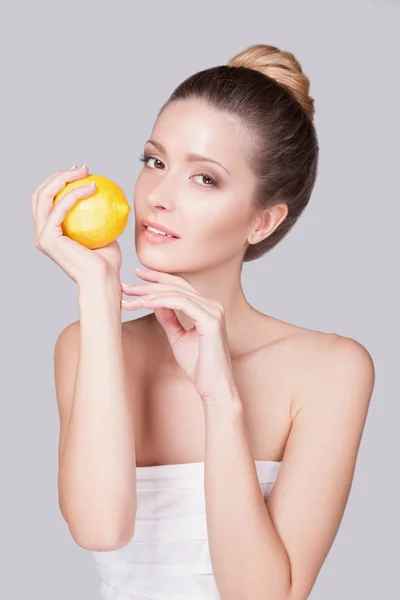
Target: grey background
pixel 82 82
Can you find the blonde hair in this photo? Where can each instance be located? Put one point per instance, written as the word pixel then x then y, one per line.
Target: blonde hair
pixel 280 65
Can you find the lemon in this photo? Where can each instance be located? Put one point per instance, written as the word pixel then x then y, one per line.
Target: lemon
pixel 98 219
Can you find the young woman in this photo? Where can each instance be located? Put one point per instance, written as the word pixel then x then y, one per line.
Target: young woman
pixel 207 450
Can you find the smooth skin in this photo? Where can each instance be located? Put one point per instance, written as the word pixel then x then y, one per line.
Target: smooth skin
pixel 306 393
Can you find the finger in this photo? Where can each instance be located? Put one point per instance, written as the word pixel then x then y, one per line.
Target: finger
pixel 39 191
pixel 35 194
pixel 45 196
pixel 58 213
pixel 138 289
pixel 170 323
pixel 207 318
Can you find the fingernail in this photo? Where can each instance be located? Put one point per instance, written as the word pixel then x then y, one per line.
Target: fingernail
pixel 137 269
pixel 74 167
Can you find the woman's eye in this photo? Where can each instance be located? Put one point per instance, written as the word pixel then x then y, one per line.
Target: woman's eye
pixel 204 176
pixel 212 182
pixel 145 158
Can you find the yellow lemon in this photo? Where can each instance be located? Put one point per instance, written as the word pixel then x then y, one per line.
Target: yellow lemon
pixel 98 219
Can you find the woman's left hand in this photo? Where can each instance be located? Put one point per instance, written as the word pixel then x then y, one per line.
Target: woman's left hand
pixel 202 351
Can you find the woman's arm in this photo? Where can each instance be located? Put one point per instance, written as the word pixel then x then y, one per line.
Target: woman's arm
pixel 97 462
pixel 275 550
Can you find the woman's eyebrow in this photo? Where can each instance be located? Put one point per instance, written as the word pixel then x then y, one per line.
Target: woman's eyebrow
pixel 191 157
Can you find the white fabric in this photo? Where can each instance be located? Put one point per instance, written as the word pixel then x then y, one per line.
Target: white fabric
pixel 168 557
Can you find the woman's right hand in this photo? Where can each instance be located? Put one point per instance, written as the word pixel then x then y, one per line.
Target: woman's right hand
pixel 78 262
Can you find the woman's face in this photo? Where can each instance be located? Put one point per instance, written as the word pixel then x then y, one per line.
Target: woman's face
pixel 206 204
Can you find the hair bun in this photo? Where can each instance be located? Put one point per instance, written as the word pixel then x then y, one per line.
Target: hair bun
pixel 281 66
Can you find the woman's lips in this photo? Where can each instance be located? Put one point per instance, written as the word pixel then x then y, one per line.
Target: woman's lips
pixel 157 238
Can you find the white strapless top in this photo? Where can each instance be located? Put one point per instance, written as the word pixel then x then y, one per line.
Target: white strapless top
pixel 168 557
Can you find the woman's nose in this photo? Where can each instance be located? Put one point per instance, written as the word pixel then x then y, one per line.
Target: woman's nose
pixel 161 195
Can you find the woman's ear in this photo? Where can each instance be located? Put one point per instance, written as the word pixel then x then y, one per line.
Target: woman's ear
pixel 266 222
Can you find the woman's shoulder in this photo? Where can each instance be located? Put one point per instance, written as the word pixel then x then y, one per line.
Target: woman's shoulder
pixel 136 326
pixel 268 333
pixel 143 340
pixel 291 337
pixel 142 330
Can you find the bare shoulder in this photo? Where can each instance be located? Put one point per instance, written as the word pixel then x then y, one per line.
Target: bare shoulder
pixel 313 360
pixel 335 379
pixel 140 341
pixel 130 329
pixel 136 331
pixel 326 359
pixel 134 325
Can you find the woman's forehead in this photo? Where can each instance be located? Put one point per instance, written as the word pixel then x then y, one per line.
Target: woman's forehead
pixel 194 127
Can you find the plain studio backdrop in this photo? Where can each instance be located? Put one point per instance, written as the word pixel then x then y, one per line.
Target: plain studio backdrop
pixel 82 83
